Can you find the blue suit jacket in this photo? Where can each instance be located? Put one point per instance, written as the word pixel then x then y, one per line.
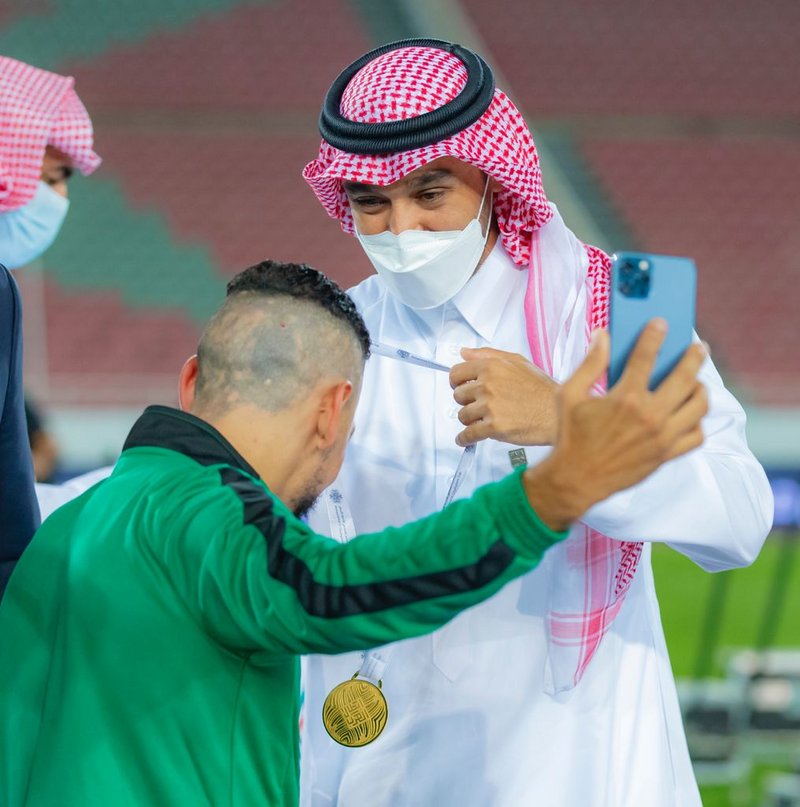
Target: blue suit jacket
pixel 19 511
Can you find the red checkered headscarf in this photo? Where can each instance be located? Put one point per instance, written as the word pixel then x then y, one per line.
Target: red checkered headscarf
pixel 38 109
pixel 594 572
pixel 408 82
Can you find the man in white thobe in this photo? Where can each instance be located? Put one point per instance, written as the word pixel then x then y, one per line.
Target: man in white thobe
pixel 558 690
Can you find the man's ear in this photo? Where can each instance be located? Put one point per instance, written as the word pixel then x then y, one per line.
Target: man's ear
pixel 186 384
pixel 331 408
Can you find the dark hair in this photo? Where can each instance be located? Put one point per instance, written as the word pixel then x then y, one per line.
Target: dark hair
pixel 33 418
pixel 302 282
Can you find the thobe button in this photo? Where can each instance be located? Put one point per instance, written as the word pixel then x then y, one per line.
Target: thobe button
pixel 455 350
pixel 452 412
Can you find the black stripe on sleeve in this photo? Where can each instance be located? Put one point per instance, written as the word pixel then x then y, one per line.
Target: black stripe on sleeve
pixel 330 602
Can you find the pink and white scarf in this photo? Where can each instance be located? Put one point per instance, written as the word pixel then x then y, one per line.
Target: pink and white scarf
pixel 38 109
pixel 566 298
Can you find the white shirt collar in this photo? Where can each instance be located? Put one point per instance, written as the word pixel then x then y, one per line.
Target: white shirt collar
pixel 483 300
pixel 481 304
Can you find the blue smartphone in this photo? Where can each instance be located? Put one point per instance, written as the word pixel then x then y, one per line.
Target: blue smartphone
pixel 645 286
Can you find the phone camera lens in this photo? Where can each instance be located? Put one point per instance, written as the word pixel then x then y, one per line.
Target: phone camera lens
pixel 634 278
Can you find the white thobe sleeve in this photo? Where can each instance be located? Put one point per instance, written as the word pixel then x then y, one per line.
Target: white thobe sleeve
pixel 51 497
pixel 714 504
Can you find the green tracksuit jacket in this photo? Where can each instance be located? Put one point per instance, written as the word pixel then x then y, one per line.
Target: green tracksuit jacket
pixel 149 637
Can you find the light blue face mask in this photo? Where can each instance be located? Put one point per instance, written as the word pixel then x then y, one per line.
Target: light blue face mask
pixel 25 233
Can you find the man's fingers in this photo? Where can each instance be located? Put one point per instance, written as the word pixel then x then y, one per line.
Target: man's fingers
pixel 688 416
pixel 479 359
pixel 471 413
pixel 591 368
pixel 464 372
pixel 473 434
pixel 691 440
pixel 473 353
pixel 465 393
pixel 639 366
pixel 680 383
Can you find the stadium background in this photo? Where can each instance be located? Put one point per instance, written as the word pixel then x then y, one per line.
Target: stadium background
pixel 671 127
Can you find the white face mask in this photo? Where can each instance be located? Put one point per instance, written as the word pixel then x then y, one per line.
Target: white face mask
pixel 424 269
pixel 25 233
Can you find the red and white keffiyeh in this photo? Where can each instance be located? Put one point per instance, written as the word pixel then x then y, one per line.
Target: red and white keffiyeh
pixel 566 298
pixel 38 109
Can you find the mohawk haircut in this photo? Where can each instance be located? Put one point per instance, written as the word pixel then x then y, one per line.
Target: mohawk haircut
pixel 302 281
pixel 281 328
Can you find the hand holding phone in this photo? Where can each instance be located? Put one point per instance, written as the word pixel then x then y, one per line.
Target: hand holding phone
pixel 644 287
pixel 606 444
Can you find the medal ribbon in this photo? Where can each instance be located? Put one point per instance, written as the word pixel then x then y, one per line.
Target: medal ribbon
pixel 342 526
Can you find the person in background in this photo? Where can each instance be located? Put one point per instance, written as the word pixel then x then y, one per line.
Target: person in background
pixel 51 494
pixel 44 448
pixel 45 134
pixel 557 691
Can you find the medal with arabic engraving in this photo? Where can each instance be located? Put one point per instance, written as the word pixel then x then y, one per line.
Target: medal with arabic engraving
pixel 355 712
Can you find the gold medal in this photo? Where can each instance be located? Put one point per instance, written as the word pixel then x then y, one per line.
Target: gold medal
pixel 355 712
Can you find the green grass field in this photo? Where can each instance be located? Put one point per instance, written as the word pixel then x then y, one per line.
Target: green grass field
pixel 706 616
pixel 685 592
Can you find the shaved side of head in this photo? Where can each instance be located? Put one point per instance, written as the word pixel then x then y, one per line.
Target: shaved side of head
pixel 282 329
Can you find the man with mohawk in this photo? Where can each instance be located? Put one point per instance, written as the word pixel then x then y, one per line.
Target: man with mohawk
pixel 558 690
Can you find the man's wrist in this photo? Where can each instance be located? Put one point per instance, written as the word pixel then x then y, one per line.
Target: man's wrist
pixel 554 494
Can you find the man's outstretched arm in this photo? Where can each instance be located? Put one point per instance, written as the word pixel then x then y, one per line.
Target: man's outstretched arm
pixel 258 578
